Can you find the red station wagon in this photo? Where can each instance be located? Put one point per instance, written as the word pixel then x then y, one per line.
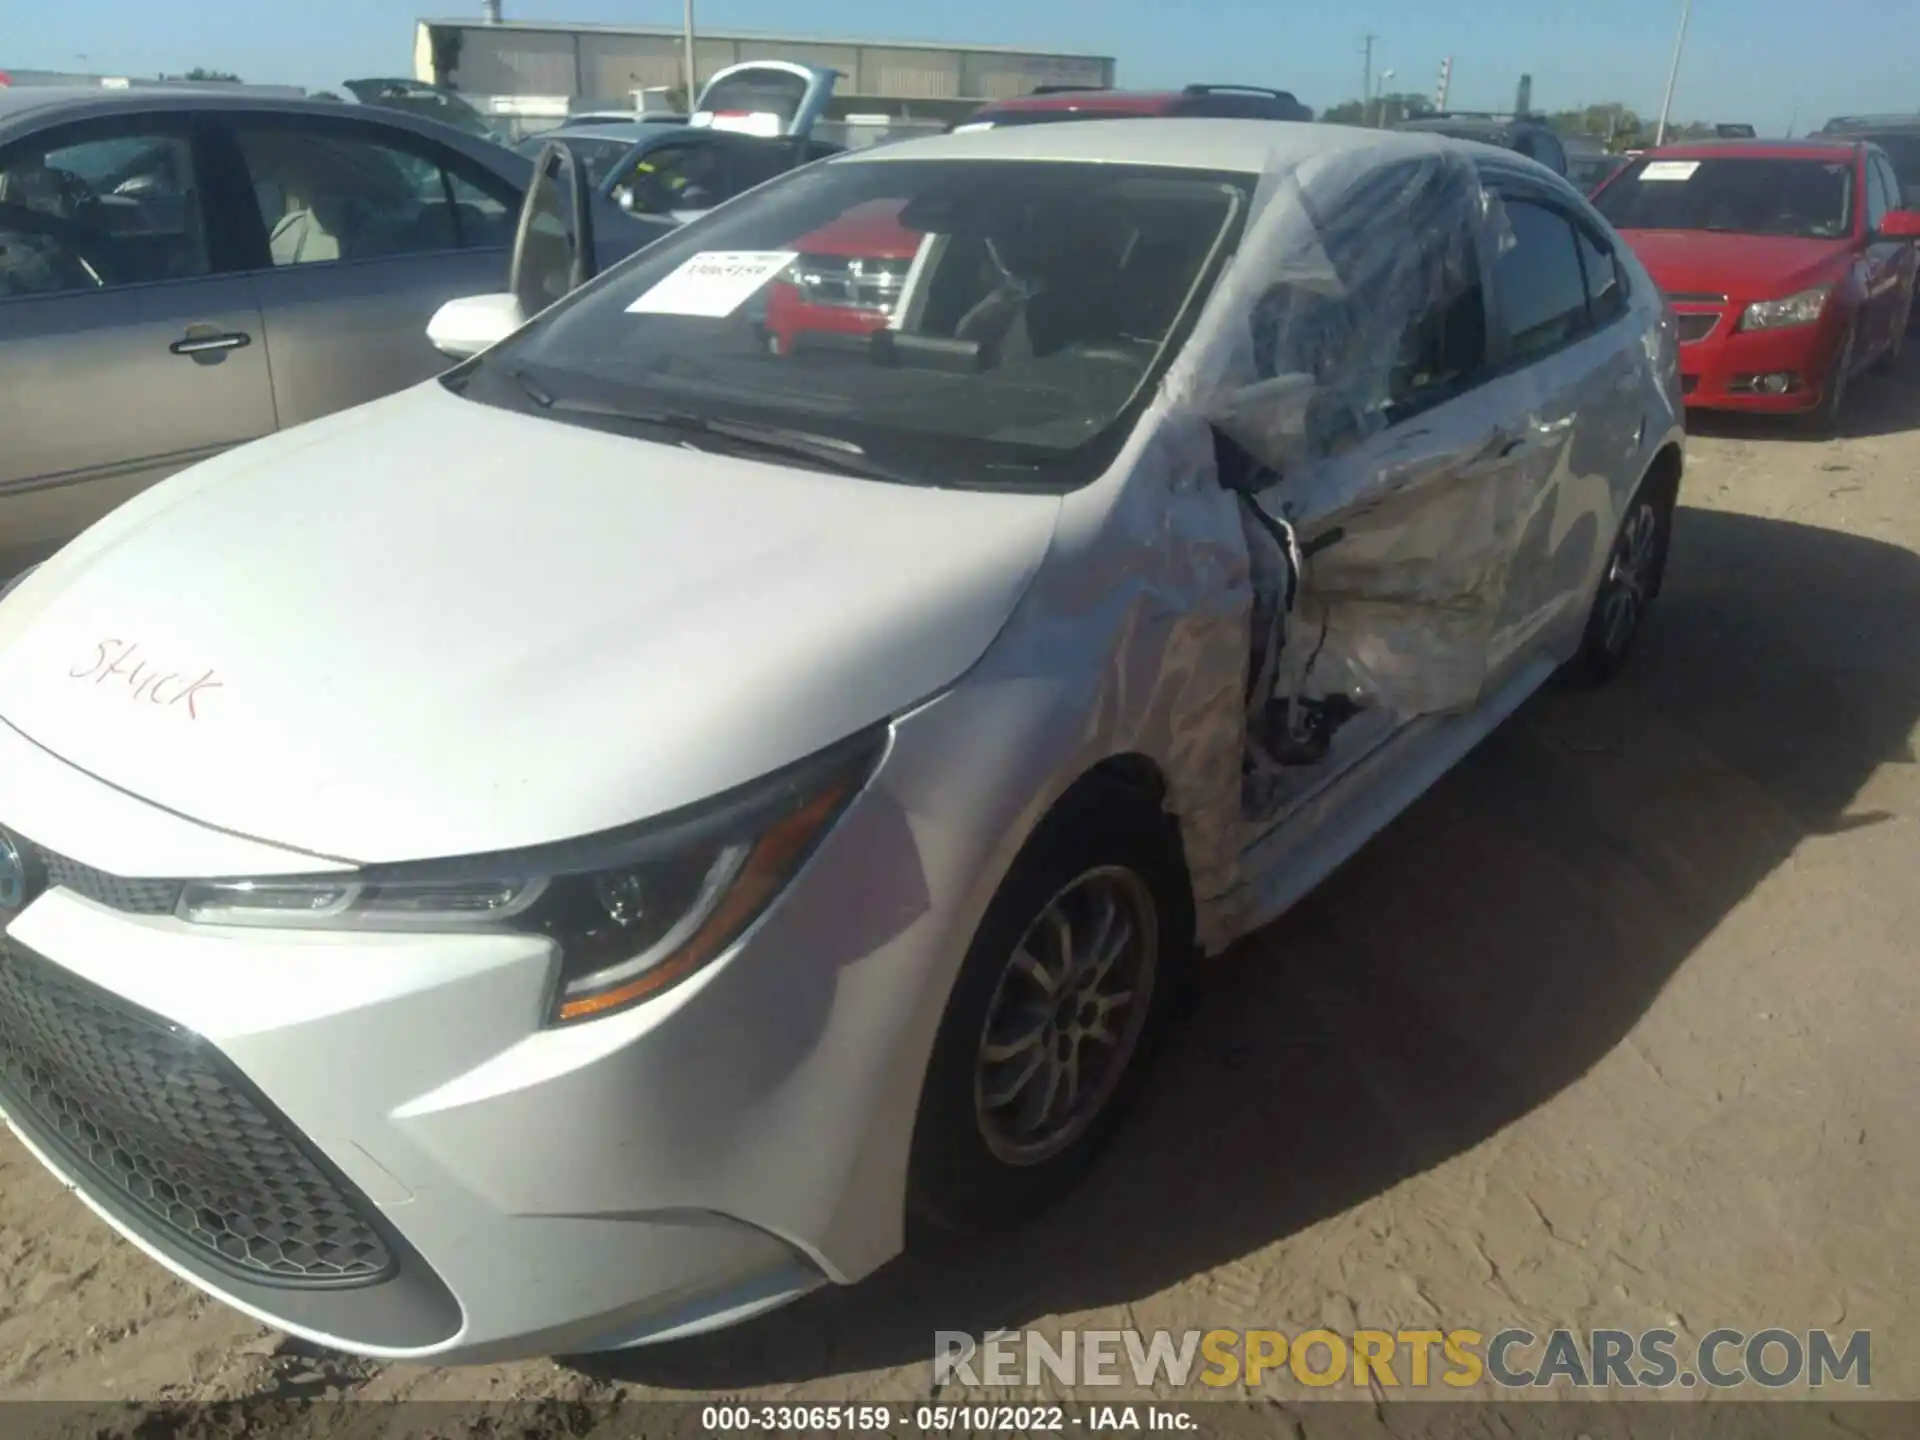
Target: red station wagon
pixel 1789 264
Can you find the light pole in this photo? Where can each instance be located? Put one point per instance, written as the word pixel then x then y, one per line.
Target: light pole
pixel 1380 100
pixel 1673 74
pixel 692 79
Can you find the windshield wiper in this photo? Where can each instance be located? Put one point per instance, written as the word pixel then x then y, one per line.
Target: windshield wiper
pixel 735 437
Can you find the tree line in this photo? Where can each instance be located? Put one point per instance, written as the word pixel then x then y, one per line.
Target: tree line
pixel 1616 126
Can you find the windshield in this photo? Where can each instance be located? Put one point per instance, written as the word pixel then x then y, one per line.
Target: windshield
pixel 1745 195
pixel 955 322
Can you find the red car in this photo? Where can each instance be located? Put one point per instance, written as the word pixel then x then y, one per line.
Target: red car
pixel 1050 103
pixel 848 279
pixel 1789 265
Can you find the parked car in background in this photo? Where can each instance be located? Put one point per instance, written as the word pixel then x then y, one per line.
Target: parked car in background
pixel 1051 103
pixel 600 148
pixel 739 812
pixel 1789 263
pixel 1528 135
pixel 1590 171
pixel 433 102
pixel 182 272
pixel 621 117
pixel 751 122
pixel 1898 137
pixel 848 279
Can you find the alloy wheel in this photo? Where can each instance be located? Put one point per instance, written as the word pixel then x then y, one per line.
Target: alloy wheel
pixel 1066 1016
pixel 1630 575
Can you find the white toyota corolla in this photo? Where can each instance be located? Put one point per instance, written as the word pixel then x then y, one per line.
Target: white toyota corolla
pixel 595 846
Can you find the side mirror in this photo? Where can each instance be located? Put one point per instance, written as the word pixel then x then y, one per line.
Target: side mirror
pixel 553 243
pixel 463 328
pixel 1900 225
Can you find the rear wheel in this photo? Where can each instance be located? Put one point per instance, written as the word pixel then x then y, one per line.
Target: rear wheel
pixel 1634 572
pixel 1056 1012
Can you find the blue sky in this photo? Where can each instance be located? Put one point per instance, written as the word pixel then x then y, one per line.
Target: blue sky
pixel 1755 60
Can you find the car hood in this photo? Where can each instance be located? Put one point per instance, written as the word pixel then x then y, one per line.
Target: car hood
pixel 1741 267
pixel 428 627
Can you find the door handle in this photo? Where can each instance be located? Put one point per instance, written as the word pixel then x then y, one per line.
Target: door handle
pixel 205 344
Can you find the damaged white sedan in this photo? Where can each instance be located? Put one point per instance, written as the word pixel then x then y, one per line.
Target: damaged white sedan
pixel 593 847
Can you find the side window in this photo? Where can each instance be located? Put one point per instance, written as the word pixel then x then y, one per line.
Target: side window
pixel 1398 324
pixel 485 209
pixel 331 193
pixel 1606 290
pixel 1879 200
pixel 1896 195
pixel 1538 281
pixel 677 177
pixel 100 205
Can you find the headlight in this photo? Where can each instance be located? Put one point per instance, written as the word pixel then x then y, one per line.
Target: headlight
pixel 631 912
pixel 1801 309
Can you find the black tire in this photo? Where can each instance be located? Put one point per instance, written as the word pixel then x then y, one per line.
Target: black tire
pixel 963 1177
pixel 1826 421
pixel 1636 565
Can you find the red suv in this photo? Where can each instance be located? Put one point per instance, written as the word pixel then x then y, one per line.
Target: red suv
pixel 1072 102
pixel 1789 264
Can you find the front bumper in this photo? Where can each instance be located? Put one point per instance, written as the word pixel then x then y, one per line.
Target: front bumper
pixel 1724 369
pixel 393 1103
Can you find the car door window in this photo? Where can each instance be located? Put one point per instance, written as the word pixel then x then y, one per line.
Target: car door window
pixel 1398 326
pixel 1606 286
pixel 1889 182
pixel 1879 198
pixel 683 176
pixel 332 193
pixel 100 205
pixel 1538 282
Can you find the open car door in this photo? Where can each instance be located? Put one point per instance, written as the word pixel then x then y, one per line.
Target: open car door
pixel 768 98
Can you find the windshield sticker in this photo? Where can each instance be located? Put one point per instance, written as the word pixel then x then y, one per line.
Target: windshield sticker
pixel 714 283
pixel 1669 169
pixel 169 689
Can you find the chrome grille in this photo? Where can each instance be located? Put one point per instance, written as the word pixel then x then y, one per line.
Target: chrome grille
pixel 1696 327
pixel 849 282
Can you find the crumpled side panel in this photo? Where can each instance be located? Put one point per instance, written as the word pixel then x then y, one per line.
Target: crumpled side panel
pixel 1138 626
pixel 1358 279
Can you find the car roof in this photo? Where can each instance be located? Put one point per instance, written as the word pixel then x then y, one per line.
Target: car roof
pixel 1091 98
pixel 623 131
pixel 34 105
pixel 1248 146
pixel 1855 125
pixel 1811 148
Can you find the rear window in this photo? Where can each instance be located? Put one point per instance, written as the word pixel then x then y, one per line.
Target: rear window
pixel 1736 195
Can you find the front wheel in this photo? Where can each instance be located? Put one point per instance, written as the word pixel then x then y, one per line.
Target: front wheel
pixel 1635 569
pixel 1826 420
pixel 1053 1019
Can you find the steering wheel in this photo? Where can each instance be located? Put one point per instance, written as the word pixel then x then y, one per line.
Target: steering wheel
pixel 83 260
pixel 76 193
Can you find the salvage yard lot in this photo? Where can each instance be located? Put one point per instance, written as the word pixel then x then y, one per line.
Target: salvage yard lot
pixel 1616 1028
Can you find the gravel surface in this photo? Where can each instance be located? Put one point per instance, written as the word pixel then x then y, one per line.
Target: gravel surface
pixel 1615 1028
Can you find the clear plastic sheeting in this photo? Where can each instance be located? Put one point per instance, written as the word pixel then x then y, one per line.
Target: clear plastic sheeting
pixel 1378 558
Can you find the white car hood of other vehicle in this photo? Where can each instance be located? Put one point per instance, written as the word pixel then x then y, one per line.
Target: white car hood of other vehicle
pixel 427 627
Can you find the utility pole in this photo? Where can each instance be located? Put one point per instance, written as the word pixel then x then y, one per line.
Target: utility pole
pixel 1446 84
pixel 692 78
pixel 1673 74
pixel 1366 74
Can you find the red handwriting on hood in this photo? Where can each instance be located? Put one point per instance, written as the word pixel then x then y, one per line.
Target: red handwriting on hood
pixel 115 660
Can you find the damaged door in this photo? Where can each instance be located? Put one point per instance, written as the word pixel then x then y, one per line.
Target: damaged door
pixel 1382 455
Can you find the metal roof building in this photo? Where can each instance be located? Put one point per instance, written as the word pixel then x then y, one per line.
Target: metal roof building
pixel 606 64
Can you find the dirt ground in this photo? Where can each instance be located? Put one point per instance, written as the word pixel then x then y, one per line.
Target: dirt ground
pixel 1616 1028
